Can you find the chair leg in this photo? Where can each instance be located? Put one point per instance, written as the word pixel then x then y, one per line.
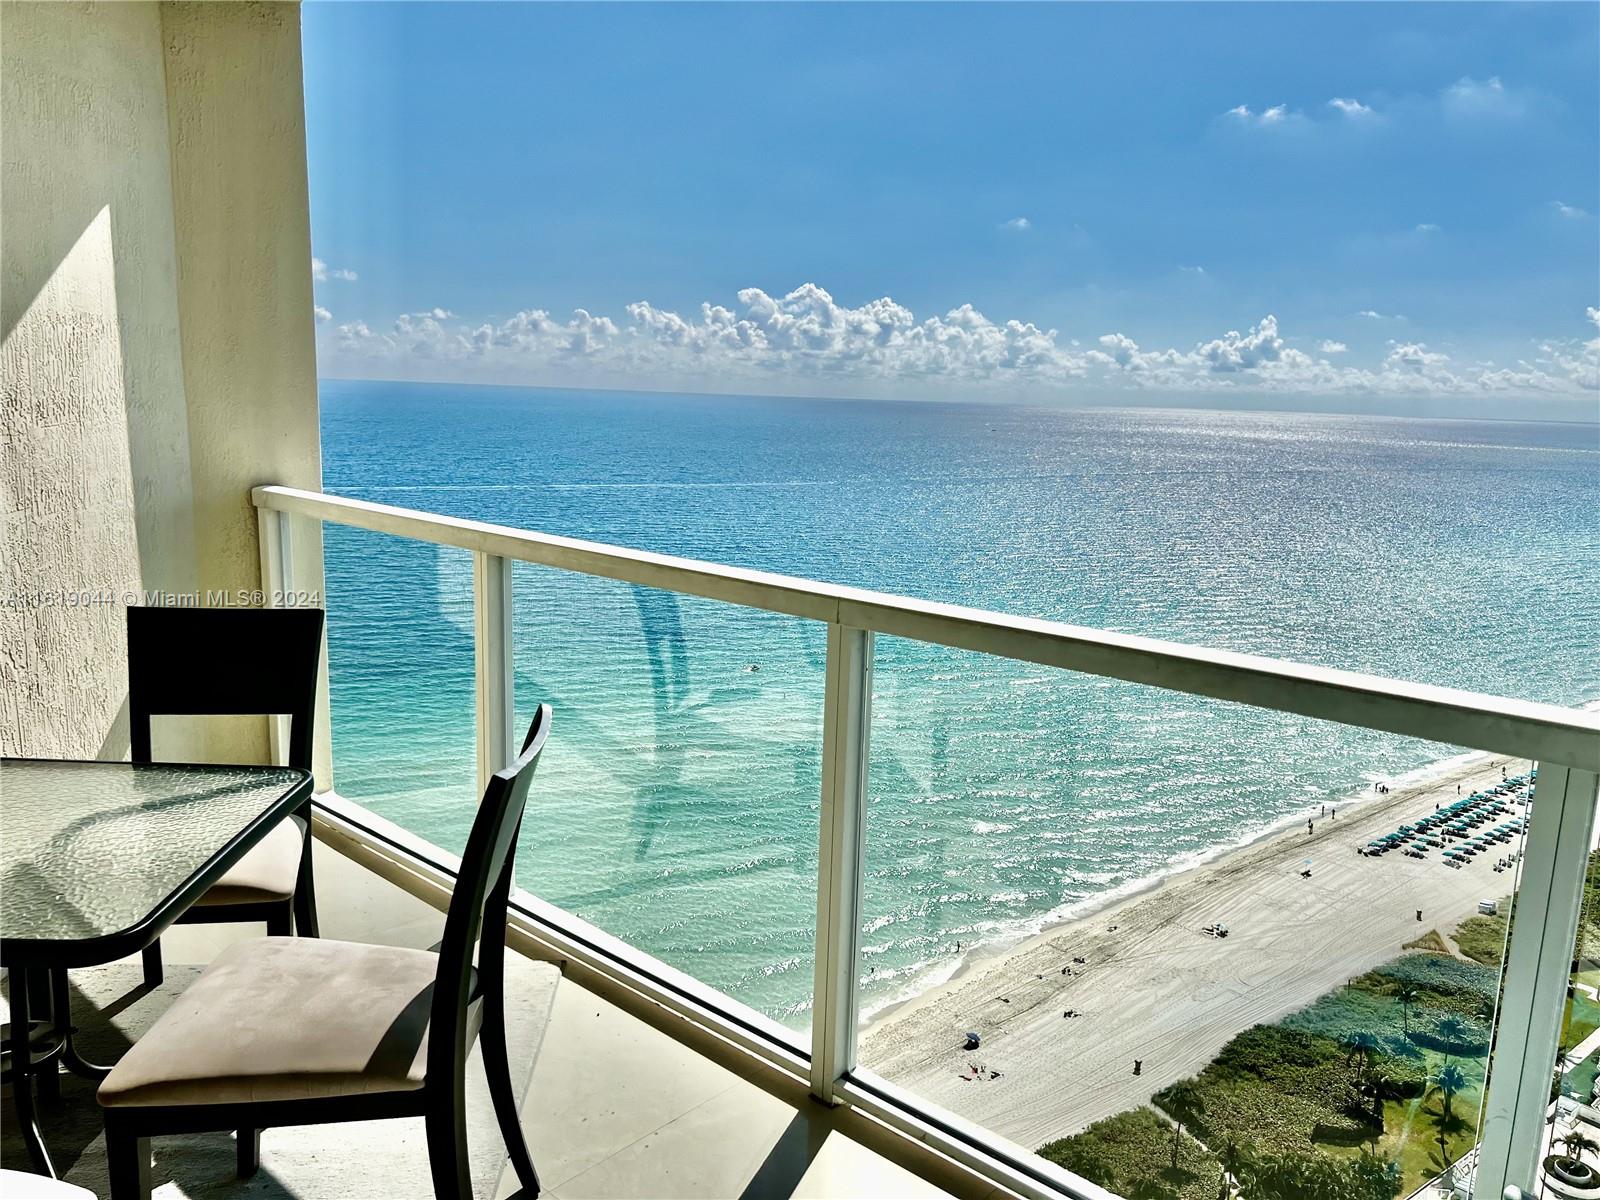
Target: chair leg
pixel 446 1126
pixel 497 1066
pixel 128 1164
pixel 249 1147
pixel 153 973
pixel 281 922
pixel 305 888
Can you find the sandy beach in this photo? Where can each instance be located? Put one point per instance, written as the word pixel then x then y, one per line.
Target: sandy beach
pixel 1154 987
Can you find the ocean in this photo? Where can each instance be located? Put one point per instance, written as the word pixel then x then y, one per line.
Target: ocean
pixel 676 806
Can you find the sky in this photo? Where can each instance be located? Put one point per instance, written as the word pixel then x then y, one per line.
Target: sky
pixel 1362 206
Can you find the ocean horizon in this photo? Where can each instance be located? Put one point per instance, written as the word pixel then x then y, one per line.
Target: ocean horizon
pixel 677 805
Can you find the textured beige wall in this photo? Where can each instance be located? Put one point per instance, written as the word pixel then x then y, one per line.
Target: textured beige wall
pixel 94 424
pixel 158 353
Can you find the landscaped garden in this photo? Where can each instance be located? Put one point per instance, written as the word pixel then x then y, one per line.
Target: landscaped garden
pixel 1365 1095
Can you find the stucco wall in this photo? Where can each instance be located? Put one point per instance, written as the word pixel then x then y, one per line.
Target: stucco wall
pixel 158 352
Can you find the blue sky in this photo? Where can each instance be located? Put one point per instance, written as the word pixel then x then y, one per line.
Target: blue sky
pixel 1368 205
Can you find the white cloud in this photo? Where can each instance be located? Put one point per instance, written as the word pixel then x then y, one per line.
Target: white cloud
pixel 808 340
pixel 320 271
pixel 1469 99
pixel 321 314
pixel 1353 109
pixel 1019 224
pixel 1372 315
pixel 1196 270
pixel 1413 356
pixel 1571 211
pixel 1428 227
pixel 1278 114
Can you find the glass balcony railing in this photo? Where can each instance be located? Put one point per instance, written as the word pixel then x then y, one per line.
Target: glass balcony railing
pixel 915 851
pixel 1170 946
pixel 400 679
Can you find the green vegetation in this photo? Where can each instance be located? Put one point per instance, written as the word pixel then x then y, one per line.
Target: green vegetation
pixel 1429 941
pixel 1482 939
pixel 1369 1091
pixel 1132 1151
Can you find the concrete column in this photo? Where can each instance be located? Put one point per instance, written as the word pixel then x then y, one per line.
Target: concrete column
pixel 242 232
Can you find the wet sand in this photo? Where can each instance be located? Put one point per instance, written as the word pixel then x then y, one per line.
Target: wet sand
pixel 1158 989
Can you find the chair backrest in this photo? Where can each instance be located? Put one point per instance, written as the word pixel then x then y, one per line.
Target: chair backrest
pixel 478 907
pixel 224 662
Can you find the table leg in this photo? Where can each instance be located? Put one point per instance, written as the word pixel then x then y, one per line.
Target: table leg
pixel 47 1071
pixel 70 1058
pixel 22 1073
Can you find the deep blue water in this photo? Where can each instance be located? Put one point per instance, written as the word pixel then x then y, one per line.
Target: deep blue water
pixel 677 805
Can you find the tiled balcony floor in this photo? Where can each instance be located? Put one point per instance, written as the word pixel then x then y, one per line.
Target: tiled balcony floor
pixel 615 1108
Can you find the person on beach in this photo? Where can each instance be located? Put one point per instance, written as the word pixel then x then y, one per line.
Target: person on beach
pixel 1310 828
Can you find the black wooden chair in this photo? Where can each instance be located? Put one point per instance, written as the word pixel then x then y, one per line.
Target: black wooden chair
pixel 235 662
pixel 296 1031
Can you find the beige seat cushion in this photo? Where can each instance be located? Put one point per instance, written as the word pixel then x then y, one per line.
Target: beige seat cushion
pixel 286 1019
pixel 267 871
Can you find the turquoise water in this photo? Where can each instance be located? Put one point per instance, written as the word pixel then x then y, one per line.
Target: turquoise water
pixel 677 804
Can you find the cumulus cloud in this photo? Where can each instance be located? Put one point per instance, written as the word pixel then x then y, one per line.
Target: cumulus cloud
pixel 321 313
pixel 1276 115
pixel 1428 227
pixel 1373 315
pixel 1351 108
pixel 320 271
pixel 1019 224
pixel 1571 211
pixel 807 338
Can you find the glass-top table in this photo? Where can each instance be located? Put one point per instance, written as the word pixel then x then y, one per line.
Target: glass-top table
pixel 96 859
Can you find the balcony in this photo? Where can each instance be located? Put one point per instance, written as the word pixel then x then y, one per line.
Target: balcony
pixel 649 1081
pixel 731 1018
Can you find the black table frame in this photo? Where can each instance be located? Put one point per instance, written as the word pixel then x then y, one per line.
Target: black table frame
pixel 38 966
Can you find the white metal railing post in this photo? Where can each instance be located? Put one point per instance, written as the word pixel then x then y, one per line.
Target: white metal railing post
pixel 1538 963
pixel 496 684
pixel 846 726
pixel 275 540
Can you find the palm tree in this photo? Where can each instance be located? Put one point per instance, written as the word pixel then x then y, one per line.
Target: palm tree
pixel 1451 1030
pixel 1361 1046
pixel 1407 995
pixel 1576 1143
pixel 1184 1105
pixel 1450 1081
pixel 1233 1158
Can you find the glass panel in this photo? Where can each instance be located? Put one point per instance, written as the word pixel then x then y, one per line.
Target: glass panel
pixel 1092 907
pixel 401 680
pixel 676 806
